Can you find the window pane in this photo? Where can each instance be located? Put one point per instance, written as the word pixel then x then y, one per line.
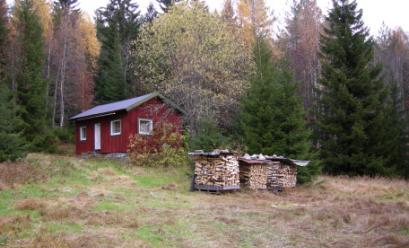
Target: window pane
pixel 145 126
pixel 116 127
pixel 83 133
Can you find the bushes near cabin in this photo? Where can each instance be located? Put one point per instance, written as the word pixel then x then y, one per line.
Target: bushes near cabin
pixel 208 137
pixel 65 135
pixel 164 147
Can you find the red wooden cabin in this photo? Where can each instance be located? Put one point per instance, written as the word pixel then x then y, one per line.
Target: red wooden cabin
pixel 106 128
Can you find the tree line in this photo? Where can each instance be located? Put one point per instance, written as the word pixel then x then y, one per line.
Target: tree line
pixel 319 88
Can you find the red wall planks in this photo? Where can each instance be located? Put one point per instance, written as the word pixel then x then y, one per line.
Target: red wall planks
pixel 153 109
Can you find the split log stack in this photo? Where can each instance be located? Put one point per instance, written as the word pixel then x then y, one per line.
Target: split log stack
pixel 253 174
pixel 216 171
pixel 281 175
pixel 267 172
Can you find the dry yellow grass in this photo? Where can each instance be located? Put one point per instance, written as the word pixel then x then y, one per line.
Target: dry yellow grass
pixel 107 204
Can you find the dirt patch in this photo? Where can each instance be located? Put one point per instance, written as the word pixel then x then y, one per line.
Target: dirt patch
pixel 14 224
pixel 107 171
pixel 388 240
pixel 12 174
pixel 35 168
pixel 227 221
pixel 83 200
pixel 101 238
pixel 47 240
pixel 3 186
pixel 31 204
pixel 171 186
pixel 98 192
pixel 59 213
pixel 73 208
pixel 122 180
pixel 110 218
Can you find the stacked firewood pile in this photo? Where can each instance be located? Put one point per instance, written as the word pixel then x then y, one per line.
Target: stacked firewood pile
pixel 254 176
pixel 267 172
pixel 281 175
pixel 217 170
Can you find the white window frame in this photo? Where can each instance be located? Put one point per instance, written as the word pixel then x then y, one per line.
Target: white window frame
pixel 139 126
pixel 112 127
pixel 83 138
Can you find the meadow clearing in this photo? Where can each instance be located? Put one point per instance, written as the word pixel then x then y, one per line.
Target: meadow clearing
pixel 64 201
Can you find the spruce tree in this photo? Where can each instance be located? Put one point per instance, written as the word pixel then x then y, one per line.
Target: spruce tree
pixel 11 142
pixel 117 26
pixel 396 138
pixel 352 111
pixel 31 86
pixel 272 119
pixel 3 38
pixel 110 83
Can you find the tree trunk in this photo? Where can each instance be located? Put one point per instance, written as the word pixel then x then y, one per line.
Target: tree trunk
pixel 56 85
pixel 62 107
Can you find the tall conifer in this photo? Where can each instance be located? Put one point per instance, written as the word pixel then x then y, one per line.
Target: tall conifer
pixel 11 142
pixel 272 119
pixel 31 85
pixel 117 26
pixel 352 111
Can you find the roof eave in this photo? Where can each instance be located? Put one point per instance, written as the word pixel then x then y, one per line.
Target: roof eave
pixel 157 94
pixel 95 116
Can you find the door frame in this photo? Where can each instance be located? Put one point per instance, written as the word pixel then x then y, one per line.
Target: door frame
pixel 97 133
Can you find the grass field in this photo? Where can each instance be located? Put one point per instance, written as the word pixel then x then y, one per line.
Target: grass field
pixel 62 201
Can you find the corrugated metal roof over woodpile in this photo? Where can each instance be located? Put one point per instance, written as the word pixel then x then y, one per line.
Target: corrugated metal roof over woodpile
pixel 259 158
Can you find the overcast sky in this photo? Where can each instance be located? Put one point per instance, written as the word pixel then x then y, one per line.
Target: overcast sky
pixel 393 12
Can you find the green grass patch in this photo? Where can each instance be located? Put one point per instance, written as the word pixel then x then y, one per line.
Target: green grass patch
pixel 150 234
pixel 154 177
pixel 405 231
pixel 113 206
pixel 166 202
pixel 218 225
pixel 152 181
pixel 7 199
pixel 165 234
pixel 35 191
pixel 66 227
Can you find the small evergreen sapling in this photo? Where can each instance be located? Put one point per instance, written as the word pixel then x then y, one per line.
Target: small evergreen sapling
pixel 272 118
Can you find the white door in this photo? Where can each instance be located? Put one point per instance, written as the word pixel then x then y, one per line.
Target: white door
pixel 97 136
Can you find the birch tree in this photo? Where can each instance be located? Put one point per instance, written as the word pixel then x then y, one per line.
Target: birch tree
pixel 74 52
pixel 193 57
pixel 300 43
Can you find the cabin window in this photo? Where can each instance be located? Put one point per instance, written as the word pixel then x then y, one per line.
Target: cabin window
pixel 83 133
pixel 115 127
pixel 145 126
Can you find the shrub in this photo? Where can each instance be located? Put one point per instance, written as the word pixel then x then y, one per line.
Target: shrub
pixel 208 137
pixel 163 148
pixel 64 135
pixel 308 173
pixel 44 143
